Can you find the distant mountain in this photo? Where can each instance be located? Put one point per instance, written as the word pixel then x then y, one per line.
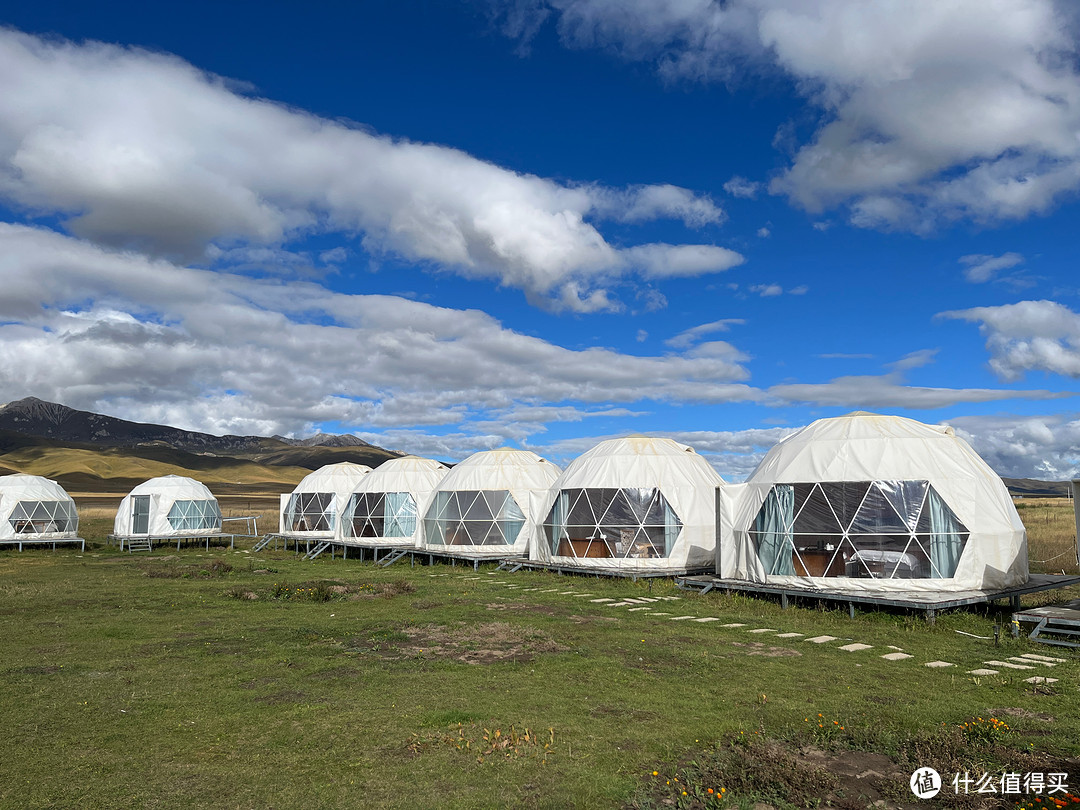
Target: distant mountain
pixel 1033 488
pixel 326 440
pixel 84 430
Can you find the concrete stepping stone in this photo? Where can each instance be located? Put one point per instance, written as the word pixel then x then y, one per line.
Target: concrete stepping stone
pixel 820 639
pixel 1007 665
pixel 1035 657
pixel 583 595
pixel 707 619
pixel 632 610
pixel 895 656
pixel 635 601
pixel 790 635
pixel 762 630
pixel 602 600
pixel 856 647
pixel 898 649
pixel 1025 660
pixel 982 672
pixel 551 590
pixel 566 593
pixel 733 624
pixel 660 613
pixel 1040 679
pixel 681 618
pixel 939 664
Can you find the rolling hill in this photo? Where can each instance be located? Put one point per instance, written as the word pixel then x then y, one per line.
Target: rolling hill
pixel 91 452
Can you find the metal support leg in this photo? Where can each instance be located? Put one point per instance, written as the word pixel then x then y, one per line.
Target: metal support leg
pixel 851 610
pixel 784 601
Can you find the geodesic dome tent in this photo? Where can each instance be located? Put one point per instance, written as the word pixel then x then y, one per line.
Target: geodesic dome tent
pixel 169 506
pixel 35 508
pixel 637 503
pixel 488 504
pixel 873 503
pixel 311 511
pixel 387 507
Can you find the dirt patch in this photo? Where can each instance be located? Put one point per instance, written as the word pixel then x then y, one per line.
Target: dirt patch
pixel 765 651
pixel 50 669
pixel 619 711
pixel 476 644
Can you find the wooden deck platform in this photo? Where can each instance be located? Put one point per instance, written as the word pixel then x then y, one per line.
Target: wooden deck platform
pixel 929 603
pixel 631 573
pixel 1054 624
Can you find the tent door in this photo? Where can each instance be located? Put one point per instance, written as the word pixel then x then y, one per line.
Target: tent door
pixel 140 514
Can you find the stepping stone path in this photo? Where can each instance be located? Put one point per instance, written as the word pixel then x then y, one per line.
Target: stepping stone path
pixel 895 656
pixel 1038 679
pixel 982 672
pixel 820 639
pixel 601 601
pixel 762 630
pixel 939 664
pixel 733 624
pixel 1007 665
pixel 659 613
pixel 707 619
pixel 1034 657
pixel 680 618
pixel 1025 660
pixel 856 647
pixel 790 635
pixel 636 609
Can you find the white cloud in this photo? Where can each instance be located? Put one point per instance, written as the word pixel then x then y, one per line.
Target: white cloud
pixel 116 332
pixel 767 290
pixel 890 390
pixel 690 336
pixel 981 267
pixel 929 111
pixel 1045 447
pixel 671 261
pixel 764 233
pixel 741 187
pixel 1028 336
pixel 142 150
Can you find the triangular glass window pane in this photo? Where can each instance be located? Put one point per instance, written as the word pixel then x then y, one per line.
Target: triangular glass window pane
pixel 619 511
pixel 816 515
pixel 641 501
pixel 877 516
pixel 906 498
pixel 845 498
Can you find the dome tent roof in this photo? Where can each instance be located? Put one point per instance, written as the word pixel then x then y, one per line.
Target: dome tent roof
pixel 522 473
pixel 867 447
pixel 341 478
pixel 35 507
pixel 176 506
pixel 313 508
pixel 384 521
pixel 684 480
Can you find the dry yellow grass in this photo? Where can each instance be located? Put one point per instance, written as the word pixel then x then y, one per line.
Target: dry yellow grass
pixel 1051 528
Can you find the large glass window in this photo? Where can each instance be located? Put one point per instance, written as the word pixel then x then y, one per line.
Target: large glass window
pixel 188 516
pixel 44 517
pixel 628 522
pixel 473 518
pixel 382 514
pixel 310 512
pixel 873 529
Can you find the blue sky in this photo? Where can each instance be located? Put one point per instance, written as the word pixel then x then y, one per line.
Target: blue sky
pixel 452 226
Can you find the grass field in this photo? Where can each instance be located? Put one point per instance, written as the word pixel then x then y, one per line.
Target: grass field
pixel 236 680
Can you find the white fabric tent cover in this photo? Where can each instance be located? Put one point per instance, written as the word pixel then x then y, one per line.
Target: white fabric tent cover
pixel 398 493
pixel 33 507
pixel 476 488
pixel 672 475
pixel 174 506
pixel 312 509
pixel 908 462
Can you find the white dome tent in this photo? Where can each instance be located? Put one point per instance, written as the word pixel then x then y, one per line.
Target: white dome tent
pixel 488 504
pixel 170 507
pixel 313 509
pixel 635 505
pixel 388 505
pixel 36 510
pixel 873 504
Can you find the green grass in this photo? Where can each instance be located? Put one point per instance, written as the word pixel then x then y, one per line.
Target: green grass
pixel 231 680
pixel 178 680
